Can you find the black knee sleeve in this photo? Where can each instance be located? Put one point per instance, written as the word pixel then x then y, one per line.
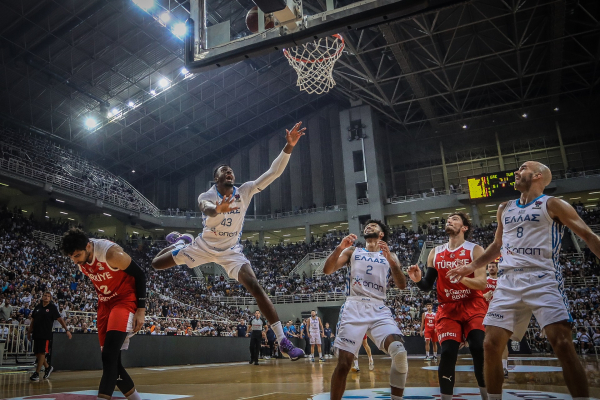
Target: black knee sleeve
pixel 110 361
pixel 475 339
pixel 447 366
pixel 124 381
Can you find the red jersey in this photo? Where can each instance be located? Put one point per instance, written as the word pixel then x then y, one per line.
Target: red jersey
pixel 491 285
pixel 110 283
pixel 445 260
pixel 430 321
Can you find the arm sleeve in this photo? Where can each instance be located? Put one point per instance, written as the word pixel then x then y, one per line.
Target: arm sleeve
pixel 140 282
pixel 426 283
pixel 277 168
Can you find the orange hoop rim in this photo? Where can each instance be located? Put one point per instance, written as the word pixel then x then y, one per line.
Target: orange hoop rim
pixel 337 35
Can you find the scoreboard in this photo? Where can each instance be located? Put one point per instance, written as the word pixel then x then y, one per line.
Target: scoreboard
pixel 491 186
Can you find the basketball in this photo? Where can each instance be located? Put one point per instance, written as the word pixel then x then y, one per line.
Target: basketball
pixel 252 20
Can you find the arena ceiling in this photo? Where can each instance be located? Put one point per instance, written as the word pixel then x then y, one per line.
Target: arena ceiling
pixel 64 62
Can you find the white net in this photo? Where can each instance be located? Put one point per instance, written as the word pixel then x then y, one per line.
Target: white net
pixel 314 63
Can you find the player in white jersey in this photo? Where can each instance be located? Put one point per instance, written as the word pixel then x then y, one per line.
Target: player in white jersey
pixel 528 240
pixel 224 207
pixel 315 333
pixel 364 310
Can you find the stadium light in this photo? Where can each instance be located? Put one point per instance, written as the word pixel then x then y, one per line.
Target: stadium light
pixel 144 4
pixel 133 170
pixel 90 123
pixel 524 115
pixel 107 214
pixel 555 108
pixel 179 29
pixel 153 92
pixel 184 71
pixel 165 17
pixel 465 126
pixel 163 83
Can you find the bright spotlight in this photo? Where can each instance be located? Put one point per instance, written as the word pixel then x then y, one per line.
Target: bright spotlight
pixel 465 126
pixel 109 115
pixel 130 104
pixel 179 29
pixel 184 71
pixel 524 115
pixel 144 4
pixel 555 108
pixel 115 111
pixel 90 123
pixel 163 82
pixel 153 92
pixel 165 17
pixel 133 170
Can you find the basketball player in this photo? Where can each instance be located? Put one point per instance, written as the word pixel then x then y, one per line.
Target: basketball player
pixel 315 333
pixel 461 305
pixel 224 207
pixel 121 287
pixel 488 294
pixel 364 310
pixel 428 326
pixel 528 239
pixel 365 344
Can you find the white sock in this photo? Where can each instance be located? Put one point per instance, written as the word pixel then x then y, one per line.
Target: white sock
pixel 446 397
pixel 134 396
pixel 370 360
pixel 427 354
pixel 494 396
pixel 505 364
pixel 397 397
pixel 484 393
pixel 355 362
pixel 320 355
pixel 277 328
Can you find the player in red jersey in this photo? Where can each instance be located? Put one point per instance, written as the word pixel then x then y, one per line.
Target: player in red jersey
pixel 121 287
pixel 461 305
pixel 428 331
pixel 488 294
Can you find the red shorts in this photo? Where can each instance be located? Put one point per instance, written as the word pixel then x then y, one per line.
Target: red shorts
pixel 116 316
pixel 454 320
pixel 430 334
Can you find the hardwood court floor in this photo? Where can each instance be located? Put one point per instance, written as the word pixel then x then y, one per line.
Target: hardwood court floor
pixel 279 379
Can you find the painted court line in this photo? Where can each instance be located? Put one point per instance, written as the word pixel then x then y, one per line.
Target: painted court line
pixel 194 366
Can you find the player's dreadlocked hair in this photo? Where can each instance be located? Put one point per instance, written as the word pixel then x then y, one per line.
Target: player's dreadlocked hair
pixel 74 239
pixel 384 228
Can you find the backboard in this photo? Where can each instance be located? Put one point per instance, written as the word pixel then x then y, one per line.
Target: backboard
pixel 218 34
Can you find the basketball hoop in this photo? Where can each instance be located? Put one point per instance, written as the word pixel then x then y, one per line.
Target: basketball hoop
pixel 314 62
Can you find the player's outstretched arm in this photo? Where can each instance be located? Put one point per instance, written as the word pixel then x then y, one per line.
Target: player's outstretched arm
pixel 490 254
pixel 395 268
pixel 117 258
pixel 340 255
pixel 279 164
pixel 561 211
pixel 478 282
pixel 415 274
pixel 211 209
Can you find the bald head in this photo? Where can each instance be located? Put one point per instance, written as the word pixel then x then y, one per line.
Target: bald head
pixel 543 169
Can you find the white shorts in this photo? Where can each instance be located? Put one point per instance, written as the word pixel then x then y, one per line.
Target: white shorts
pixel 523 291
pixel 360 316
pixel 199 253
pixel 315 338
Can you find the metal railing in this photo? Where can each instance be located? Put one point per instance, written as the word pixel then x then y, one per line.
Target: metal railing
pixel 287 214
pixel 422 196
pixel 20 168
pixel 306 259
pixel 15 340
pixel 570 175
pixel 47 237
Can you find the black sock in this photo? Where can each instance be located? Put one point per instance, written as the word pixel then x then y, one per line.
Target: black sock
pixel 111 352
pixel 124 382
pixel 447 366
pixel 475 339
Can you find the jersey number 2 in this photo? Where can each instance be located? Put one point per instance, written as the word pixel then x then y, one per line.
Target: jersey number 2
pixel 369 269
pixel 104 289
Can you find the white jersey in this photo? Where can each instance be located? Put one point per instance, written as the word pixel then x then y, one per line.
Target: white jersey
pixel 315 327
pixel 530 237
pixel 368 275
pixel 224 231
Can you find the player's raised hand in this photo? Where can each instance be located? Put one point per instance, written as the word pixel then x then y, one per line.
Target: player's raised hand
pixel 226 204
pixel 383 246
pixel 348 241
pixel 456 274
pixel 414 273
pixel 294 135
